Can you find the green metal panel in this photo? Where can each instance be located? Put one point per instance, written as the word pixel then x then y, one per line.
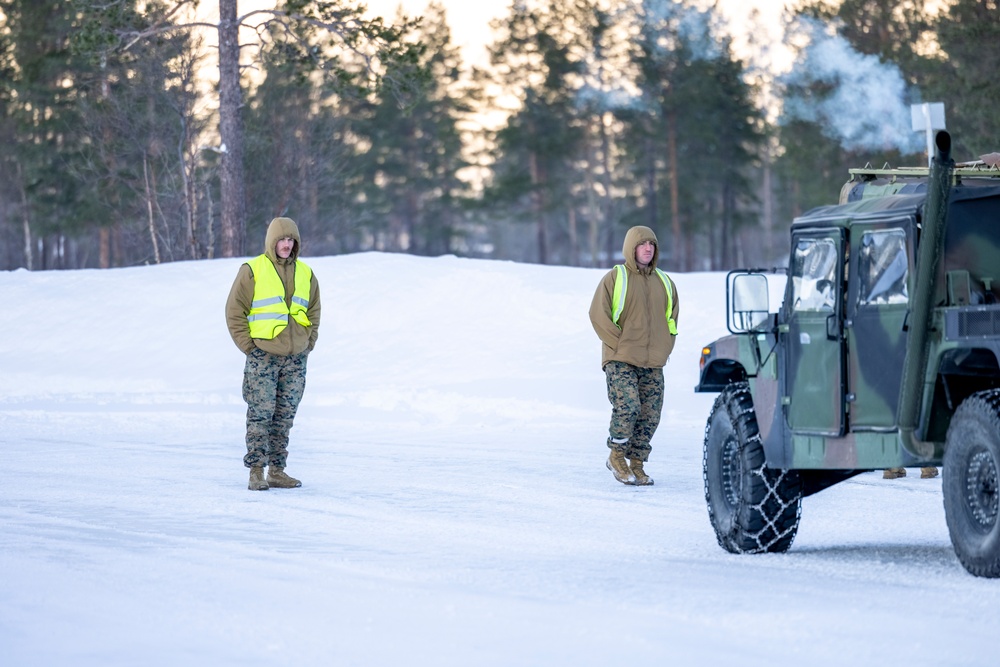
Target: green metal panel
pixel 814 382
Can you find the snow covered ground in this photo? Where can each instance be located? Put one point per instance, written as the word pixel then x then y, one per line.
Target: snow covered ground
pixel 455 507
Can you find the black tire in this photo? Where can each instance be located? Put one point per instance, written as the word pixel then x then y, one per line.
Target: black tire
pixel 969 480
pixel 753 508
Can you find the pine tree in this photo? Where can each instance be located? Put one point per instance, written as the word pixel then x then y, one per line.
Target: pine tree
pixel 696 141
pixel 12 246
pixel 536 61
pixel 299 145
pixel 42 102
pixel 415 154
pixel 966 78
pixel 346 30
pixel 142 159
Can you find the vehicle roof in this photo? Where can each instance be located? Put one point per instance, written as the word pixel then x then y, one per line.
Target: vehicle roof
pixel 907 202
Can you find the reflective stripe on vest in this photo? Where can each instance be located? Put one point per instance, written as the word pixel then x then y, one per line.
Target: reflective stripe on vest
pixel 621 289
pixel 268 314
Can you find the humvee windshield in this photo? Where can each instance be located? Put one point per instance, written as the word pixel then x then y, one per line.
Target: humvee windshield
pixel 882 268
pixel 814 272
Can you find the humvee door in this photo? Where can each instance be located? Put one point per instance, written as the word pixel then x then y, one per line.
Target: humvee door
pixel 813 393
pixel 878 302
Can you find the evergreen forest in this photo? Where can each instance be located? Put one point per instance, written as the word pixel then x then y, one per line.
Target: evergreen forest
pixel 135 133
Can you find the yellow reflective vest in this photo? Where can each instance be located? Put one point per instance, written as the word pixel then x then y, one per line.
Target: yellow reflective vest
pixel 269 313
pixel 621 289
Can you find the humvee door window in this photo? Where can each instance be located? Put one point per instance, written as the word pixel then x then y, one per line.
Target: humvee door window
pixel 882 268
pixel 814 274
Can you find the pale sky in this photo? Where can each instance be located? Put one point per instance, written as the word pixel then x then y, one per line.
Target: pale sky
pixel 470 22
pixel 470 19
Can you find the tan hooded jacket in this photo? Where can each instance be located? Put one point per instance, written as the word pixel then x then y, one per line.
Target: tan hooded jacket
pixel 295 338
pixel 644 339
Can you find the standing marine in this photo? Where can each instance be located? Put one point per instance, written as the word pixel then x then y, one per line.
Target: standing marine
pixel 273 315
pixel 634 312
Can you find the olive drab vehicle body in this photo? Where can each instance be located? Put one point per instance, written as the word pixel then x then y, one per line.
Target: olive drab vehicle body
pixel 884 353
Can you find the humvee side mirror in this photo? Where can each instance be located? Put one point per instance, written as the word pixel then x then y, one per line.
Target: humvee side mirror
pixel 747 297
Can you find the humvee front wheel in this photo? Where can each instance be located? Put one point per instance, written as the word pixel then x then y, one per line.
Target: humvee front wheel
pixel 753 508
pixel 969 481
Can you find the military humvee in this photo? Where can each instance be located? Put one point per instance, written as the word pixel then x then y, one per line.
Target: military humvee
pixel 885 353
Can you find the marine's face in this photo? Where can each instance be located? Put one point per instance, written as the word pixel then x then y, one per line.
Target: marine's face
pixel 285 247
pixel 644 253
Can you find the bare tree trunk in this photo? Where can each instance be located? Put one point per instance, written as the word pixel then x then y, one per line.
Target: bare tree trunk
pixel 608 209
pixel 116 244
pixel 231 132
pixel 768 213
pixel 536 198
pixel 149 207
pixel 104 237
pixel 188 186
pixel 25 219
pixel 307 188
pixel 594 215
pixel 27 238
pixel 104 241
pixel 680 258
pixel 313 203
pixel 574 243
pixel 414 245
pixel 210 228
pixel 653 194
pixel 394 240
pixel 726 240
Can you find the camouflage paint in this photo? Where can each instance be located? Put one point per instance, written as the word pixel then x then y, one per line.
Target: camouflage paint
pixel 865 450
pixel 813 379
pixel 794 385
pixel 875 334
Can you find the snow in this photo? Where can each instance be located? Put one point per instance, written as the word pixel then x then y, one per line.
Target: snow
pixel 455 507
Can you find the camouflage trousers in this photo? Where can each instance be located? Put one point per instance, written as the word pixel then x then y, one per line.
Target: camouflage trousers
pixel 272 387
pixel 636 396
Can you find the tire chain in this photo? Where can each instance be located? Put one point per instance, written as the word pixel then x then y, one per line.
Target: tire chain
pixel 772 480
